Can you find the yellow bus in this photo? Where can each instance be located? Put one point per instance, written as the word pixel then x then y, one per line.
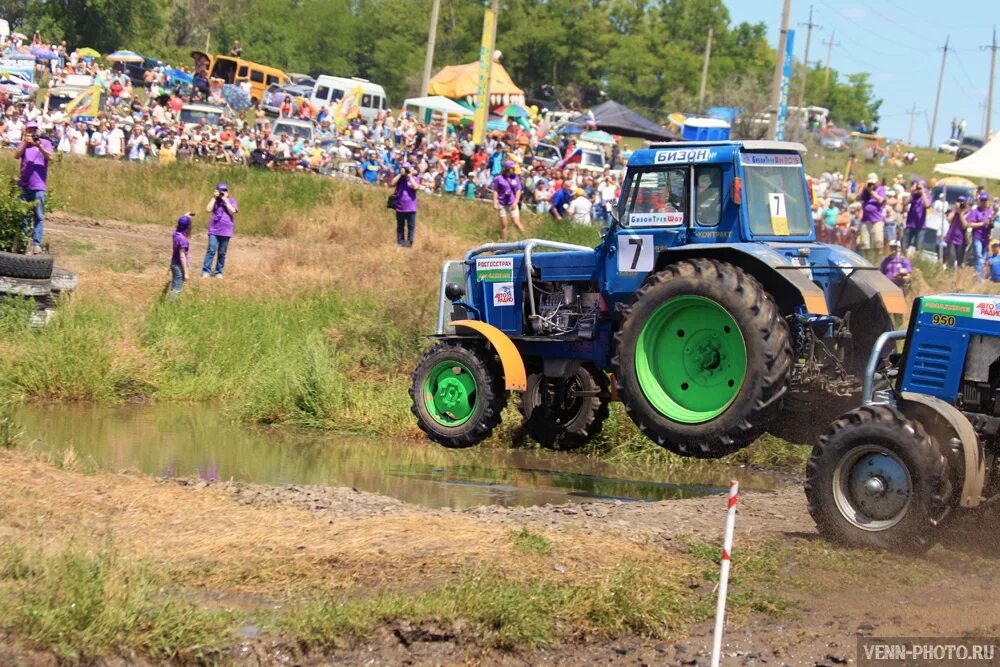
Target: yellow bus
pixel 236 71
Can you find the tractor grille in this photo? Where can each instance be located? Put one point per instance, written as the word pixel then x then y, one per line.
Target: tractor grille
pixel 930 365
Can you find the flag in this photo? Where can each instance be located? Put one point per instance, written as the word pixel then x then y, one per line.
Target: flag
pixel 575 157
pixel 347 107
pixel 84 106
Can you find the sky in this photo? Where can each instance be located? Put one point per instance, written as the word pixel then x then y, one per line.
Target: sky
pixel 899 43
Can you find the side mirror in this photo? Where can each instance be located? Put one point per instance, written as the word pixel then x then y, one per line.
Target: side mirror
pixel 737 193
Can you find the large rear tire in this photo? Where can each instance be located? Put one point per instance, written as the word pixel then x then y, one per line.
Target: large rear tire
pixel 458 394
pixel 877 480
pixel 702 358
pixel 566 413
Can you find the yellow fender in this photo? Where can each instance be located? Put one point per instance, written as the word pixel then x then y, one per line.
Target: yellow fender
pixel 514 376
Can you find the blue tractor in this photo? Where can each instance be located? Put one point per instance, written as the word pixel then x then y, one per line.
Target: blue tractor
pixel 706 308
pixel 926 437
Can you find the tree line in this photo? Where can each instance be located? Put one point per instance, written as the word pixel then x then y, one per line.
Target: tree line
pixel 643 53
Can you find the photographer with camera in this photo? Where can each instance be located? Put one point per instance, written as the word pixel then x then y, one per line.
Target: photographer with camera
pixel 954 240
pixel 34 152
pixel 871 235
pixel 916 216
pixel 404 202
pixel 222 210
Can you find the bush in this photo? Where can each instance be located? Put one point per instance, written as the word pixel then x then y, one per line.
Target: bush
pixel 12 212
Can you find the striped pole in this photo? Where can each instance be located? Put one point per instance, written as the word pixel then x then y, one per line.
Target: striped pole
pixel 727 549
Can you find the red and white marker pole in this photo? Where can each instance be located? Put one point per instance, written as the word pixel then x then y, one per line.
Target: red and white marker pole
pixel 727 549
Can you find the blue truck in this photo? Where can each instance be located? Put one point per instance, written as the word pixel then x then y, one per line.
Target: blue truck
pixel 706 308
pixel 925 440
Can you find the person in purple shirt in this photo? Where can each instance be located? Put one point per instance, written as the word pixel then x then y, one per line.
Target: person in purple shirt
pixel 916 216
pixel 221 223
pixel 872 233
pixel 954 239
pixel 179 261
pixel 34 152
pixel 507 198
pixel 896 267
pixel 405 206
pixel 980 221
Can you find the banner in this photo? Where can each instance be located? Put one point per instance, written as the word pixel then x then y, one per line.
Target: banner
pixel 84 106
pixel 786 78
pixel 347 107
pixel 485 71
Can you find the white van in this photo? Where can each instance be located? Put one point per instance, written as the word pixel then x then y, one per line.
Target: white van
pixel 329 89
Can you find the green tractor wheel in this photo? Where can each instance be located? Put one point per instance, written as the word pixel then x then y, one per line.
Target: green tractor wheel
pixel 457 394
pixel 702 358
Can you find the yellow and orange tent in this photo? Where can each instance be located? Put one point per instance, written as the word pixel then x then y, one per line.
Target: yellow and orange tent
pixel 462 82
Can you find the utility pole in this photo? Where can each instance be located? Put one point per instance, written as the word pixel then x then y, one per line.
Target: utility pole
pixel 912 113
pixel 805 61
pixel 704 70
pixel 937 98
pixel 779 66
pixel 431 39
pixel 829 54
pixel 989 96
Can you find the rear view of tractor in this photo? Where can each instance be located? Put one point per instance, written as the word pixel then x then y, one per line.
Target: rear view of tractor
pixel 925 440
pixel 708 310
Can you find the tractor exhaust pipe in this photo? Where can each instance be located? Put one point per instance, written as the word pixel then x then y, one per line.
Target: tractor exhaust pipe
pixel 868 388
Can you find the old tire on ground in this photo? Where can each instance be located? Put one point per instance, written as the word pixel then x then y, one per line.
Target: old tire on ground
pixel 702 358
pixel 457 394
pixel 34 267
pixel 876 479
pixel 63 280
pixel 576 413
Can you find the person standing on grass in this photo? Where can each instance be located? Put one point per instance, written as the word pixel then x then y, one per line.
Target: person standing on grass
pixel 222 209
pixel 954 240
pixel 179 260
pixel 405 205
pixel 34 152
pixel 916 216
pixel 980 221
pixel 507 198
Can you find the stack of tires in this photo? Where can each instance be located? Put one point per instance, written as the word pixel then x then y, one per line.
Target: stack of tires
pixel 35 277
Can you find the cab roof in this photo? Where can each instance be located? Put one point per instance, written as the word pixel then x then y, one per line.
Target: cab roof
pixel 706 152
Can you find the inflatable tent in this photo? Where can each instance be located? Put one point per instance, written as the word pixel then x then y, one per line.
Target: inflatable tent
pixel 462 82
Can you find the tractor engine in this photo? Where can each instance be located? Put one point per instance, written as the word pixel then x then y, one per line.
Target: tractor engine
pixel 565 309
pixel 980 388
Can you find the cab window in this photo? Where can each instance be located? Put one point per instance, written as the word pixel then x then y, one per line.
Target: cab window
pixel 660 192
pixel 242 72
pixel 323 93
pixel 273 79
pixel 708 195
pixel 256 76
pixel 366 101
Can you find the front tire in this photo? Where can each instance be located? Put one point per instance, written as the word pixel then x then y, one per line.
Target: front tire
pixel 702 358
pixel 458 394
pixel 572 415
pixel 877 480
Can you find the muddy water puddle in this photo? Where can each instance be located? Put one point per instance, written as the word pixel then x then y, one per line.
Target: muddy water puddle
pixel 194 440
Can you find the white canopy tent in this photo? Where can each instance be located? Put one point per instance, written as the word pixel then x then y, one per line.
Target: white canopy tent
pixel 984 163
pixel 439 104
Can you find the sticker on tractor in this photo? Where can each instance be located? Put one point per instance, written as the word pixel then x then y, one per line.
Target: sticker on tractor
pixel 635 253
pixel 670 218
pixel 684 156
pixel 771 159
pixel 987 310
pixel 503 294
pixel 495 269
pixel 947 307
pixel 779 214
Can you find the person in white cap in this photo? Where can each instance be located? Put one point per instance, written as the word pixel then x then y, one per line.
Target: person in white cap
pixel 872 198
pixel 896 267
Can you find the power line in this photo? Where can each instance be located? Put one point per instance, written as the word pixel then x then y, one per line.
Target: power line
pixel 884 38
pixel 961 68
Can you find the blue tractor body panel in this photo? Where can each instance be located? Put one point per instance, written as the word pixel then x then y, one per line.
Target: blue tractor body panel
pixel 937 347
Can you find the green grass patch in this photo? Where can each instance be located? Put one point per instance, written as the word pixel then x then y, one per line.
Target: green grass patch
pixel 81 606
pixel 15 314
pixel 753 575
pixel 73 248
pixel 124 264
pixel 10 428
pixel 528 542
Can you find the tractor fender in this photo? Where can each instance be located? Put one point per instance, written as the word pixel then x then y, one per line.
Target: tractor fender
pixel 514 374
pixel 972 453
pixel 789 285
pixel 864 284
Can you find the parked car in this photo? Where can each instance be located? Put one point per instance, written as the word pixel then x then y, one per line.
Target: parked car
pixel 135 71
pixel 830 142
pixel 293 127
pixel 950 146
pixel 547 154
pixel 193 114
pixel 969 146
pixel 272 99
pixel 329 89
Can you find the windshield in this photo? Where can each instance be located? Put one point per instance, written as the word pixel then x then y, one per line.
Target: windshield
pixel 57 101
pixel 776 195
pixel 296 131
pixel 194 116
pixel 593 159
pixel 547 152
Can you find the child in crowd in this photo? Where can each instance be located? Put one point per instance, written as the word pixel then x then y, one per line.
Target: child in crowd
pixel 179 258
